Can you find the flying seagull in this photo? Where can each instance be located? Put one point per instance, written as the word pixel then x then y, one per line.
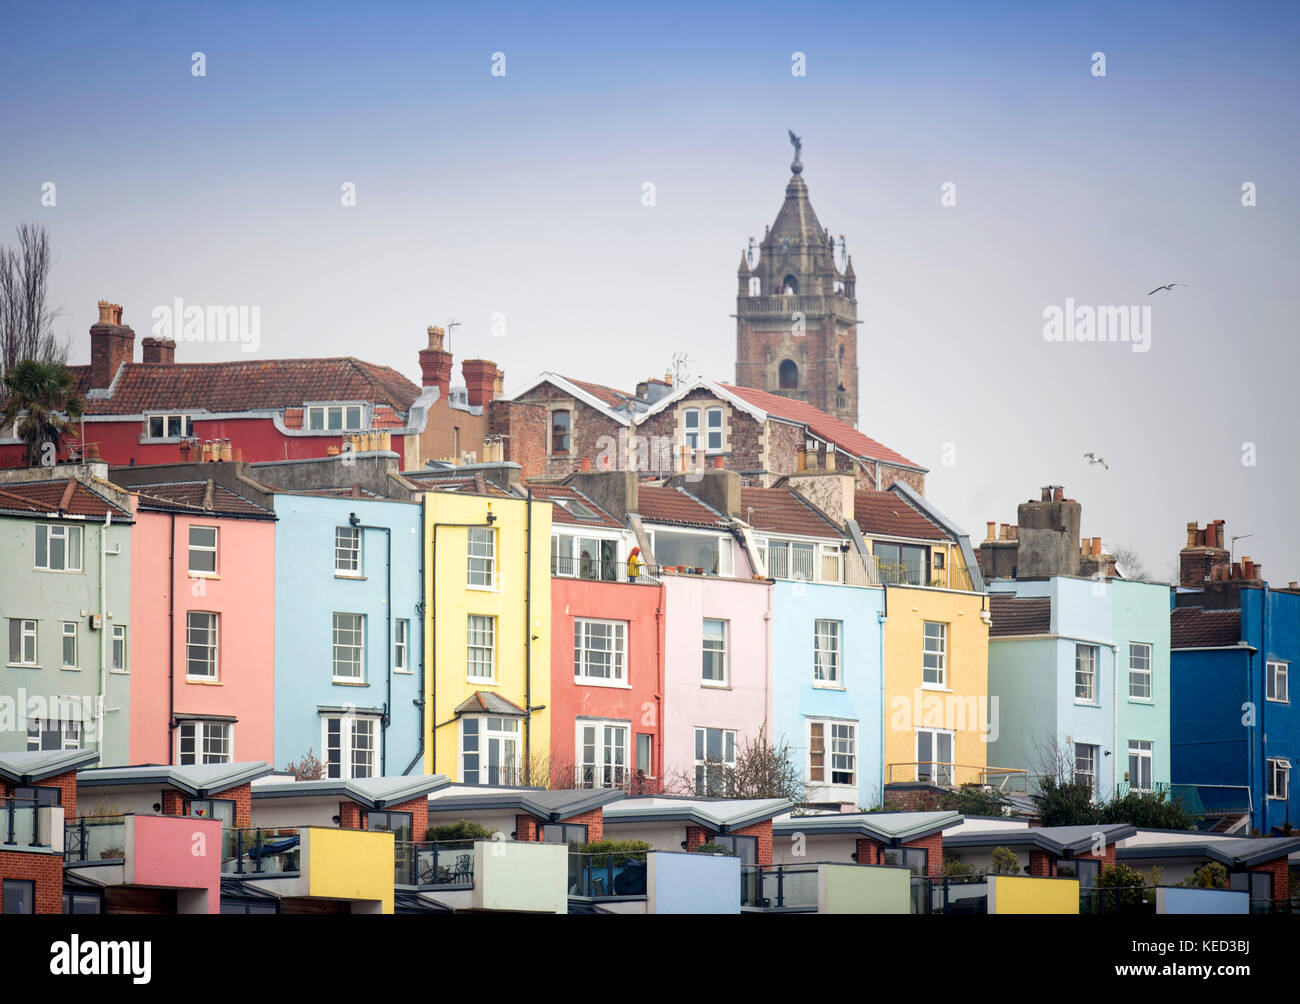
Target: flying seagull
pixel 1094 459
pixel 1168 286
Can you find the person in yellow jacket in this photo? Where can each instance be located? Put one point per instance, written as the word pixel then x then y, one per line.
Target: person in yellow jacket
pixel 634 564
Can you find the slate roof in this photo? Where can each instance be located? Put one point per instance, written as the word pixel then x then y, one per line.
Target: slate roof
pixel 886 827
pixel 821 424
pixel 561 495
pixel 543 803
pixel 657 504
pixel 611 396
pixel 1059 840
pixel 1235 852
pixel 198 780
pixel 1194 627
pixel 1013 615
pixel 33 766
pixel 784 510
pixel 246 385
pixel 485 701
pixel 462 483
pixel 889 514
pixel 718 814
pixel 372 792
pixel 190 496
pixel 67 497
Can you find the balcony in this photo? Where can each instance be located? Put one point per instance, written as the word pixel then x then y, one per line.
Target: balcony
pixel 607 875
pixel 597 570
pixel 94 838
pixel 904 574
pixel 315 863
pixel 959 894
pixel 825 887
pixel 274 850
pixel 943 774
pixel 789 888
pixel 434 864
pixel 26 825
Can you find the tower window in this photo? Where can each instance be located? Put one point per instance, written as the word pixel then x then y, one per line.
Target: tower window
pixel 755 286
pixel 789 375
pixel 790 286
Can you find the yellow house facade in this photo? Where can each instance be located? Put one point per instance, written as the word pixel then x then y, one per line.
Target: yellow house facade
pixel 487 624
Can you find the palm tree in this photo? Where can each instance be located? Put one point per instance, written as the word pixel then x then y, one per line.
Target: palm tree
pixel 45 395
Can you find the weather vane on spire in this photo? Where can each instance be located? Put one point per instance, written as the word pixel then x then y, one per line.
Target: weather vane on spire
pixel 797 143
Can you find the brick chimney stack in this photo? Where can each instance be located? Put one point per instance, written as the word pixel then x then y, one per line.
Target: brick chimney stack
pixel 482 380
pixel 435 363
pixel 1204 558
pixel 157 350
pixel 111 345
pixel 1048 535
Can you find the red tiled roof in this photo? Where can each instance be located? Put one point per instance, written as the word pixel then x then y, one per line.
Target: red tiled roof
pixel 673 505
pixel 609 395
pixel 466 484
pixel 189 496
pixel 888 514
pixel 247 384
pixel 559 514
pixel 783 510
pixel 1195 627
pixel 1014 615
pixel 821 424
pixel 383 417
pixel 293 418
pixel 44 497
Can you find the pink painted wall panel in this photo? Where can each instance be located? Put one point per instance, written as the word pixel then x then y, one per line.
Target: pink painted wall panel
pixel 176 852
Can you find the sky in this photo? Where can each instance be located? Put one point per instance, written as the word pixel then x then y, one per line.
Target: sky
pixel 519 196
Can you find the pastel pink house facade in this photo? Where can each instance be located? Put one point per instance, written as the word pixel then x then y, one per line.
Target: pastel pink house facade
pixel 236 604
pixel 741 705
pixel 176 852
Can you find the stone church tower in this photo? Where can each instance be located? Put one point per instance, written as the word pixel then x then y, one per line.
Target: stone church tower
pixel 796 312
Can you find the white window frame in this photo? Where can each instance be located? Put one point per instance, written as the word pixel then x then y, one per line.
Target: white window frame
pixel 64 637
pixel 69 730
pixel 724 554
pixel 1137 673
pixel 214 632
pixel 325 411
pixel 583 653
pixel 728 737
pixel 351 753
pixel 1278 768
pixel 1277 672
pixel 843 747
pixel 691 434
pixel 828 653
pixel 402 645
pixel 203 549
pixel 118 643
pixel 794 560
pixel 605 769
pixel 937 656
pixel 348 645
pixel 481 562
pixel 203 735
pixel 1094 757
pixel 483 622
pixel 710 430
pixel 1140 750
pixel 943 770
pixel 27 631
pixel 1086 678
pixel 348 559
pixel 185 423
pixel 73 538
pixel 723 652
pixel 485 735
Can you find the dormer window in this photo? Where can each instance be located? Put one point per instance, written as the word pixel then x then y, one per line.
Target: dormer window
pixel 691 427
pixel 713 420
pixel 335 417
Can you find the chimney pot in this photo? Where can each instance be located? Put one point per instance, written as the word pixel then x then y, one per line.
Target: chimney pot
pixel 1058 494
pixel 1096 546
pixel 1047 494
pixel 990 534
pixel 586 463
pixel 717 463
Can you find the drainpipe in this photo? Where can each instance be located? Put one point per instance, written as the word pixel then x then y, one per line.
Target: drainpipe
pixel 883 617
pixel 424 646
pixel 528 639
pixel 171 644
pixel 1263 710
pixel 659 678
pixel 102 697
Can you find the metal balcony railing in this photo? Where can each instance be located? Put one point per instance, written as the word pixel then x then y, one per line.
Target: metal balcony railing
pixel 94 838
pixel 945 774
pixel 950 894
pixel 19 822
pixel 434 864
pixel 778 887
pixel 263 850
pixel 608 874
pixel 602 570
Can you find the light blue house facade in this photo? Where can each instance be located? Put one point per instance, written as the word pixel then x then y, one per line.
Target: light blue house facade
pixel 1080 671
pixel 348 645
pixel 65 611
pixel 827 688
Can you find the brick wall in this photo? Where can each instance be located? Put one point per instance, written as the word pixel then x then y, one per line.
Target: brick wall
pixel 67 785
pixel 1280 871
pixel 529 827
pixel 523 427
pixel 1042 864
pixel 46 870
pixel 697 835
pixel 871 852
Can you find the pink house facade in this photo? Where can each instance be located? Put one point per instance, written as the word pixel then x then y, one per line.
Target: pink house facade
pixel 203 614
pixel 718 673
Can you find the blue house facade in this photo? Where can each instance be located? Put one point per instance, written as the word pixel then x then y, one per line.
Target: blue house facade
pixel 827 687
pixel 1080 670
pixel 348 646
pixel 1236 732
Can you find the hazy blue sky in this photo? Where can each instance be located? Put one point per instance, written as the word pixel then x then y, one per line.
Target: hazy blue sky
pixel 522 194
